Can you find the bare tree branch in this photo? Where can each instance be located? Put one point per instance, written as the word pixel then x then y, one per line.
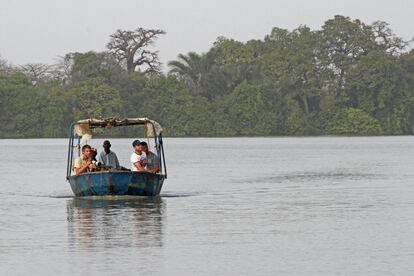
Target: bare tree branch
pixel 36 71
pixel 130 47
pixel 61 70
pixel 386 38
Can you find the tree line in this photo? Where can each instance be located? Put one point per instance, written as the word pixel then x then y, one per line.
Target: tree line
pixel 346 78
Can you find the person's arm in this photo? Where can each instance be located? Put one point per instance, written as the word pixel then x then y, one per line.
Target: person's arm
pixel 79 170
pixel 156 166
pixel 117 162
pixel 139 167
pixel 135 161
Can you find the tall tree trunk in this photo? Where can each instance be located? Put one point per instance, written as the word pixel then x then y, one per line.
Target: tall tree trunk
pixel 306 107
pixel 130 64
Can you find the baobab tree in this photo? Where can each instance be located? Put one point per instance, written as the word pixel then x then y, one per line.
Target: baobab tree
pixel 131 48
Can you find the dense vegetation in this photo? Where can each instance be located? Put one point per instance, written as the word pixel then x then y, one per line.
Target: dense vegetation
pixel 348 78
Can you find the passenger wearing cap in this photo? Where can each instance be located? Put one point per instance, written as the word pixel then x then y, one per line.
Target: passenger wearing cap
pixel 136 157
pixel 108 157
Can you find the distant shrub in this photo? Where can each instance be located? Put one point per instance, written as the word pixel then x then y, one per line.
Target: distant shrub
pixel 353 121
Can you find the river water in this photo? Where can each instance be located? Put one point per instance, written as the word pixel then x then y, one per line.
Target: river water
pixel 230 206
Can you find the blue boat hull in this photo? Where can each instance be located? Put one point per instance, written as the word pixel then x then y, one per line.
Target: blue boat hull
pixel 116 183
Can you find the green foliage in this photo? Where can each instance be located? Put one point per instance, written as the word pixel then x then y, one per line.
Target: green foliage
pixel 246 109
pixel 352 121
pixel 94 98
pixel 168 101
pixel 15 91
pixel 348 78
pixel 93 65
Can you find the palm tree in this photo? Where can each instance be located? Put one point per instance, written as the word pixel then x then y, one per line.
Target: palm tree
pixel 193 69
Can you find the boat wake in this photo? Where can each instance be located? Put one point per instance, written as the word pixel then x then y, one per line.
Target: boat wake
pixel 108 197
pixel 337 175
pixel 37 195
pixel 167 195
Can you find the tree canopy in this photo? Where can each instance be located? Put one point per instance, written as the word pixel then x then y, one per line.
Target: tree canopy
pixel 346 78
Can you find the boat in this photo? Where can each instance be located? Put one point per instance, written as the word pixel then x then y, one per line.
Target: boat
pixel 114 182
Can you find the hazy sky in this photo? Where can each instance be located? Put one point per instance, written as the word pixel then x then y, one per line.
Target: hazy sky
pixel 39 31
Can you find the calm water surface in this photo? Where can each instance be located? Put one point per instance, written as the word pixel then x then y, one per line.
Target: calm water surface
pixel 236 206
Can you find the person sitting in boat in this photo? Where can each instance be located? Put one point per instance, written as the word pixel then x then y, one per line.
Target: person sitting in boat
pixel 84 163
pixel 151 162
pixel 136 157
pixel 94 153
pixel 107 157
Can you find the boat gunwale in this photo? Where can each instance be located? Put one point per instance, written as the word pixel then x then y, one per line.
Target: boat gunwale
pixel 113 172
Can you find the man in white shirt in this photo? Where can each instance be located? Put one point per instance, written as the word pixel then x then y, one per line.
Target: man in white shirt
pixel 136 157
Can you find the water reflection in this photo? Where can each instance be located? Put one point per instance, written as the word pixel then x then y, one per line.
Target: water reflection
pixel 115 222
